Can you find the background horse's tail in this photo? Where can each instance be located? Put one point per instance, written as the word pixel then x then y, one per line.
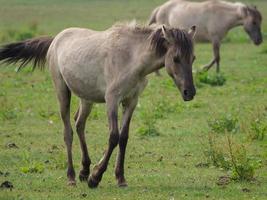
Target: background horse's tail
pixel 153 16
pixel 26 51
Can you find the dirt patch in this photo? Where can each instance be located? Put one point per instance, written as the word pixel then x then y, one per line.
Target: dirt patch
pixel 246 190
pixel 6 185
pixel 12 145
pixel 202 165
pixel 223 180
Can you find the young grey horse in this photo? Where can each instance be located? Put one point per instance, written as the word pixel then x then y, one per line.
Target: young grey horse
pixel 213 18
pixel 106 67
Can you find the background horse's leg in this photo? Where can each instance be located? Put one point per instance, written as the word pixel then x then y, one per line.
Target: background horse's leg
pixel 64 98
pixel 128 108
pixel 100 168
pixel 216 58
pixel 216 50
pixel 83 112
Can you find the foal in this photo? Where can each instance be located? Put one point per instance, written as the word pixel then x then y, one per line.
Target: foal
pixel 106 67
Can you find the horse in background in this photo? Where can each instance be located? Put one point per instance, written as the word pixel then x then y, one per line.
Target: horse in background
pixel 213 19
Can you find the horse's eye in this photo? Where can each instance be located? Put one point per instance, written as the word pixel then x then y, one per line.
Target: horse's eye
pixel 176 59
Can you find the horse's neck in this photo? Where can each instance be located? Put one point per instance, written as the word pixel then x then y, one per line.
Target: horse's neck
pixel 233 11
pixel 146 60
pixel 149 61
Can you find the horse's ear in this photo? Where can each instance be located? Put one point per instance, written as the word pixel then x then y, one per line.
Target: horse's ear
pixel 244 11
pixel 167 34
pixel 192 31
pixel 254 7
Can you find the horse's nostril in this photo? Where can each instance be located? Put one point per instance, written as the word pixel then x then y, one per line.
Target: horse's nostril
pixel 185 92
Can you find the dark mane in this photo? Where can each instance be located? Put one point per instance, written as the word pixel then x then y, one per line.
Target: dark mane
pixel 181 37
pixel 157 42
pixel 255 12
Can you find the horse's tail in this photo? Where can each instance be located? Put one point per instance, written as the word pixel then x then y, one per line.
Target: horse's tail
pixel 34 50
pixel 153 16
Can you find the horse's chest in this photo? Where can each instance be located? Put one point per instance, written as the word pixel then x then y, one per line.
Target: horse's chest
pixel 134 89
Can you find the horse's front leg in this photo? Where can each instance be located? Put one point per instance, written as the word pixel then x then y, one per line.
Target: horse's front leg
pixel 128 108
pixel 112 111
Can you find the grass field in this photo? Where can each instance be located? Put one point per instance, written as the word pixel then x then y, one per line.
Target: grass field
pixel 168 153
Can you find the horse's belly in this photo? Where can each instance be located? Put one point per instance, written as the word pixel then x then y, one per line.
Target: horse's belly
pixel 86 85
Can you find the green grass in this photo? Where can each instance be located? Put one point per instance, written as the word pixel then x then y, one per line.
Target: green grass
pixel 158 167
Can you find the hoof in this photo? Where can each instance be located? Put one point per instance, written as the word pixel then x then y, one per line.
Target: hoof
pixel 72 183
pixel 123 184
pixel 83 176
pixel 92 183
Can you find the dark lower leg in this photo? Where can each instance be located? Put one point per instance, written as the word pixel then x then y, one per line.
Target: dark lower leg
pixel 101 167
pixel 119 169
pixel 68 136
pixel 128 107
pixel 216 54
pixel 208 66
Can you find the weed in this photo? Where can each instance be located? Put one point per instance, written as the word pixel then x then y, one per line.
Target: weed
pixel 216 155
pixel 148 127
pixel 30 166
pixel 232 157
pixel 33 168
pixel 226 122
pixel 258 130
pixel 242 167
pixel 217 79
pixel 264 49
pixel 7 110
pixel 162 108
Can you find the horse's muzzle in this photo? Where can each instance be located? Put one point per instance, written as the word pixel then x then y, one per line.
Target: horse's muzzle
pixel 188 95
pixel 258 41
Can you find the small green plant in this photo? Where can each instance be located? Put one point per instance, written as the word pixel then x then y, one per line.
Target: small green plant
pixel 162 108
pixel 258 130
pixel 232 157
pixel 7 110
pixel 225 123
pixel 30 166
pixel 148 127
pixel 242 167
pixel 264 49
pixel 216 155
pixel 34 168
pixel 217 79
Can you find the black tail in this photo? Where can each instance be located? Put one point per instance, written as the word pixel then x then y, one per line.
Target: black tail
pixel 26 51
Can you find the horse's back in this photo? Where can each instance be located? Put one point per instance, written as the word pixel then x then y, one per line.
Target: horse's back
pixel 76 55
pixel 184 14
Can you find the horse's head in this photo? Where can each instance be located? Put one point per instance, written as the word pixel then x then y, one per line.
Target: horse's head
pixel 252 23
pixel 179 58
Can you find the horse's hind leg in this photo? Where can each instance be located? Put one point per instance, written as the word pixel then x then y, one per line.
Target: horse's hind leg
pixel 216 58
pixel 64 98
pixel 82 114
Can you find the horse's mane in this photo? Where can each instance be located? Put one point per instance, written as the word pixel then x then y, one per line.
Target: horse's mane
pixel 254 12
pixel 157 41
pixel 181 38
